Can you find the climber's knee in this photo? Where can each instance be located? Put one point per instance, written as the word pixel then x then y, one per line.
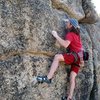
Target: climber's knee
pixel 59 57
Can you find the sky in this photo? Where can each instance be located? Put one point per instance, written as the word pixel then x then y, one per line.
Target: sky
pixel 97 5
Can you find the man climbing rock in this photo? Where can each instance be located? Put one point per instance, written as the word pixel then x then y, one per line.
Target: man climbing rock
pixel 73 58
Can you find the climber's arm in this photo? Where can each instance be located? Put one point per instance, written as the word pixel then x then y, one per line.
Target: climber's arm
pixel 64 43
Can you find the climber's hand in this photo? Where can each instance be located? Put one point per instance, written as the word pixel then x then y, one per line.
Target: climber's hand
pixel 54 33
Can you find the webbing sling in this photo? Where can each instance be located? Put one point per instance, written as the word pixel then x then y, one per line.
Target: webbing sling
pixel 75 58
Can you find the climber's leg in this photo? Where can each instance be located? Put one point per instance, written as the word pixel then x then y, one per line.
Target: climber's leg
pixel 72 84
pixel 54 66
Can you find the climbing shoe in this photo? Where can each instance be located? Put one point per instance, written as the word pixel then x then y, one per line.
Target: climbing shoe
pixel 64 98
pixel 42 79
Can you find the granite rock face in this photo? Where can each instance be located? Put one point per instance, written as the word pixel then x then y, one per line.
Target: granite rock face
pixel 27 49
pixel 90 13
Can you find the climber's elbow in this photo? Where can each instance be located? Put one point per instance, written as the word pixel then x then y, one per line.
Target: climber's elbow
pixel 66 44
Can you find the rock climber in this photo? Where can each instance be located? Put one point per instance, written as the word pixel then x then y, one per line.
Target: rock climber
pixel 74 57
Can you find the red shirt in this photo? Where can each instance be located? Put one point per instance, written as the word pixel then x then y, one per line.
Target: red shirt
pixel 75 41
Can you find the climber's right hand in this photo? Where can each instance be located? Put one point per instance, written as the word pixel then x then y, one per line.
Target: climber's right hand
pixel 54 33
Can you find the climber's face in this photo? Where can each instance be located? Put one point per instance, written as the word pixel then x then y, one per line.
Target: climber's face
pixel 68 25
